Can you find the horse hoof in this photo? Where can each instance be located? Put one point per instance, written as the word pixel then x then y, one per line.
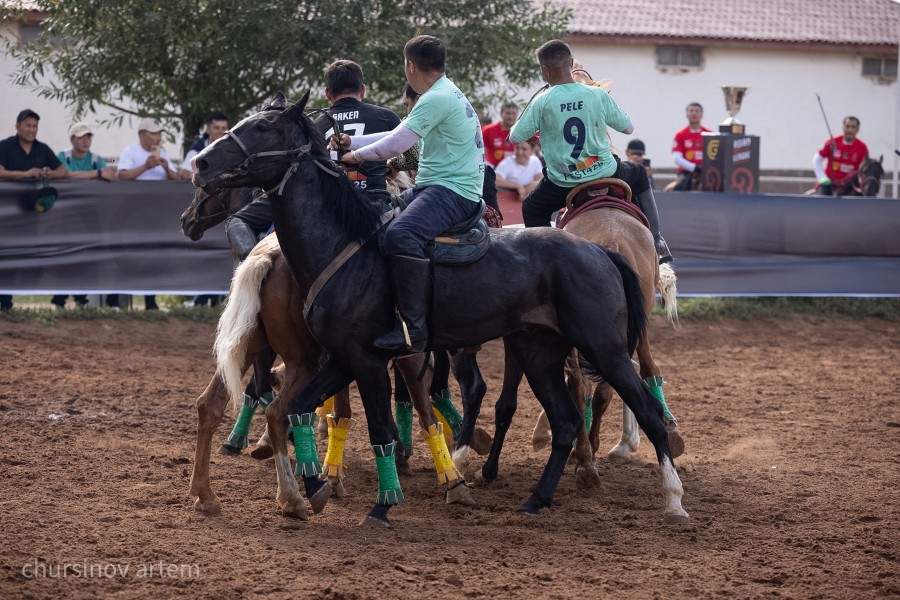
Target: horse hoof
pixel 320 498
pixel 296 510
pixel 481 441
pixel 262 452
pixel 460 494
pixel 226 450
pixel 211 507
pixel 531 508
pixel 620 454
pixel 370 521
pixel 676 443
pixel 482 481
pixel 337 484
pixel 587 478
pixel 677 518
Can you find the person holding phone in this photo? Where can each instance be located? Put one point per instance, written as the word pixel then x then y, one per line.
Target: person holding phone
pixel 634 152
pixel 146 160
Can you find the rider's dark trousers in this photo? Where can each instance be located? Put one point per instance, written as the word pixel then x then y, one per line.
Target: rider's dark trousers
pixel 548 197
pixel 432 210
pixel 257 215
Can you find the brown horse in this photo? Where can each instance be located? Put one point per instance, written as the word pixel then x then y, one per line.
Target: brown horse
pixel 623 233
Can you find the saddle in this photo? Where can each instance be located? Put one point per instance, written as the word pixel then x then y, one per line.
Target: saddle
pixel 607 192
pixel 464 243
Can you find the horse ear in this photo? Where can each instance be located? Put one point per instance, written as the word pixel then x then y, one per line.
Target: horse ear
pixel 278 101
pixel 295 111
pixel 881 159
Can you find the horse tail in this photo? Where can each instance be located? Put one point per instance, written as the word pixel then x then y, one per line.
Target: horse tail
pixel 238 322
pixel 634 299
pixel 668 290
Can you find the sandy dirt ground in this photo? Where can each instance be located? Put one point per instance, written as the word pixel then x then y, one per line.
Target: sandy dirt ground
pixel 791 479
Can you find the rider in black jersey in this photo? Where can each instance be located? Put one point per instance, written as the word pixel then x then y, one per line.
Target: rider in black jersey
pixel 345 89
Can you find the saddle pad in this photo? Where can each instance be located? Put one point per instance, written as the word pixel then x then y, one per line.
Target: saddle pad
pixel 604 202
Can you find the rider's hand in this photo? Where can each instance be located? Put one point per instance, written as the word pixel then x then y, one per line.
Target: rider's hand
pixel 344 142
pixel 350 159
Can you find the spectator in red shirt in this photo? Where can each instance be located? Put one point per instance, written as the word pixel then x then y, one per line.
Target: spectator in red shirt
pixel 496 135
pixel 687 147
pixel 845 152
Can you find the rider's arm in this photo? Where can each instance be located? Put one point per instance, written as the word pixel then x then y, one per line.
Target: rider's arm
pixel 819 168
pixel 358 141
pixel 396 142
pixel 682 162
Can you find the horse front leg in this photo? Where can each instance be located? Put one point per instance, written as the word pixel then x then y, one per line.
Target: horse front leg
pixel 472 390
pixel 375 390
pixel 339 422
pixel 434 432
pixel 210 410
pixel 586 474
pixel 652 376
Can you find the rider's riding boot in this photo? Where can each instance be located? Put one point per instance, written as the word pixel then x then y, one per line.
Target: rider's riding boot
pixel 647 203
pixel 410 282
pixel 241 238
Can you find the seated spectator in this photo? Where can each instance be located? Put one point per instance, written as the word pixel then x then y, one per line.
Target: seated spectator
pixel 634 152
pixel 520 172
pixel 216 126
pixel 80 161
pixel 22 156
pixel 146 160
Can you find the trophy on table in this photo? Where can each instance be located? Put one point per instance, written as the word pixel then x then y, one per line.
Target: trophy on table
pixel 734 96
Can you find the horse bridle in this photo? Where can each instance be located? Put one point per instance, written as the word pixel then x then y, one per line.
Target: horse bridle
pixel 221 194
pixel 293 156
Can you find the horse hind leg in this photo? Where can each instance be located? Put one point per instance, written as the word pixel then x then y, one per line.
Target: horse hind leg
pixel 339 422
pixel 210 409
pixel 586 474
pixel 504 411
pixel 630 439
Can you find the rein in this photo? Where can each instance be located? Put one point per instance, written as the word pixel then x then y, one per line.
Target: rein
pixel 200 220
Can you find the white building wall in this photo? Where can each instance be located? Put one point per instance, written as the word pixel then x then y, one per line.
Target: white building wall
pixel 781 106
pixel 56 117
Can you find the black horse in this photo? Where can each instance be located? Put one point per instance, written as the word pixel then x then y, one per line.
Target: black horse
pixel 866 181
pixel 543 290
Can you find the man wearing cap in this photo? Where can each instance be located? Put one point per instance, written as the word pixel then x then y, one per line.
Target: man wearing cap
pixel 23 157
pixel 146 160
pixel 634 152
pixel 79 160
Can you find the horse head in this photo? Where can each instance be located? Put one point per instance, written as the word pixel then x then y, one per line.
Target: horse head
pixel 208 210
pixel 871 172
pixel 266 141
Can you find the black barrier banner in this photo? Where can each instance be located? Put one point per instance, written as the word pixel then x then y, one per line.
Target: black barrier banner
pixel 126 237
pixel 103 237
pixel 766 245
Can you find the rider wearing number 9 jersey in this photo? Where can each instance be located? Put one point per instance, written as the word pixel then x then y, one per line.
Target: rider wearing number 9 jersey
pixel 572 119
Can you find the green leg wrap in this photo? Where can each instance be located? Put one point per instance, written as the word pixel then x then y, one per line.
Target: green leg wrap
pixel 404 426
pixel 656 384
pixel 389 492
pixel 441 401
pixel 588 413
pixel 238 438
pixel 308 464
pixel 266 399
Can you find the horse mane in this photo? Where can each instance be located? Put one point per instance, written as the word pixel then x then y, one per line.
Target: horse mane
pixel 358 214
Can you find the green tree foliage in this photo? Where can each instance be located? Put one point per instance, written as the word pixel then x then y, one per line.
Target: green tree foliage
pixel 177 60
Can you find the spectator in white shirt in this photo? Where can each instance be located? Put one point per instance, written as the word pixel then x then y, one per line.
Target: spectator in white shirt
pixel 146 160
pixel 520 172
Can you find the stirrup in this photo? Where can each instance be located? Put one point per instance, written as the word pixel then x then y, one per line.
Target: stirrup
pixel 662 249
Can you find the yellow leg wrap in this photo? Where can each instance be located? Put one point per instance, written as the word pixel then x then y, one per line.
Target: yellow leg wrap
pixel 448 432
pixel 334 457
pixel 326 409
pixel 443 463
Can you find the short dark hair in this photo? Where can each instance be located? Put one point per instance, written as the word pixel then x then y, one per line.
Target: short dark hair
pixel 555 54
pixel 215 116
pixel 851 118
pixel 427 52
pixel 509 104
pixel 697 104
pixel 344 76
